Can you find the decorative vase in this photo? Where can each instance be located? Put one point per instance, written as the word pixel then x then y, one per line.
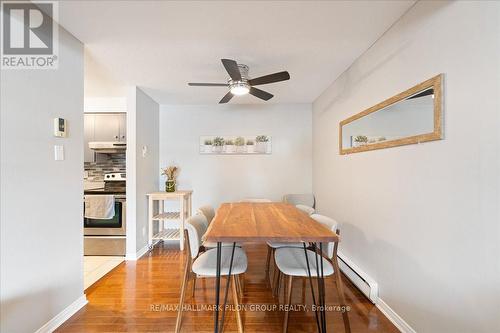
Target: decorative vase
pixel 217 149
pixel 170 185
pixel 230 149
pixel 261 147
pixel 250 149
pixel 208 148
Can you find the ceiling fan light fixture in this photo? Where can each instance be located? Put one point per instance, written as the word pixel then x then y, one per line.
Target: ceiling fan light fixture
pixel 239 88
pixel 240 84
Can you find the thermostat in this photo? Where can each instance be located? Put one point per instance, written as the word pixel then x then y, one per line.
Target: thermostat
pixel 60 127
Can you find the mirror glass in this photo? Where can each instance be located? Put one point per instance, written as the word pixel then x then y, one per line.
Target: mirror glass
pixel 411 116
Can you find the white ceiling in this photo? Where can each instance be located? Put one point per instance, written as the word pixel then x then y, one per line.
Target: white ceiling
pixel 161 45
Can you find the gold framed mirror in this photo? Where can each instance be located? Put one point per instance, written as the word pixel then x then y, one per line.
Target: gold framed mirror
pixel 413 116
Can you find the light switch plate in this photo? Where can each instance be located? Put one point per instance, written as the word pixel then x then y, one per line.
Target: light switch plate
pixel 59 153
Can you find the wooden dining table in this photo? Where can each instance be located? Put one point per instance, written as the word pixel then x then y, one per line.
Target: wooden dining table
pixel 247 222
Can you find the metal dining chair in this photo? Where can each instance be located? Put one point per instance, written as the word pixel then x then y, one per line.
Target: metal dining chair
pixel 204 264
pixel 306 209
pixel 209 213
pixel 272 246
pixel 292 263
pixel 256 200
pixel 300 199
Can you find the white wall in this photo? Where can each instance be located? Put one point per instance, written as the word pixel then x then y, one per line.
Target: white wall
pixel 99 82
pixel 142 170
pixel 105 104
pixel 423 220
pixel 216 178
pixel 41 199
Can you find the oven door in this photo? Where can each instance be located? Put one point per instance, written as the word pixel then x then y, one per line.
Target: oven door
pixel 112 227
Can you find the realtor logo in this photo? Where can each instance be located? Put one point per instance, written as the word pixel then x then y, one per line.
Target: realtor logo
pixel 29 35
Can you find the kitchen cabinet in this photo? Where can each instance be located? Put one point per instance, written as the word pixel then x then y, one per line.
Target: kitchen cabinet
pixel 88 135
pixel 107 127
pixel 123 127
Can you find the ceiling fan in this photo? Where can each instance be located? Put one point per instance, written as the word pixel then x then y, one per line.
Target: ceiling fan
pixel 240 84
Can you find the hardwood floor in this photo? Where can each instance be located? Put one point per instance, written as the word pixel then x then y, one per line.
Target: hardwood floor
pixel 137 296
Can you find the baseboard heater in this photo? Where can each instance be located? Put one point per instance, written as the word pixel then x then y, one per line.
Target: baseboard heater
pixel 359 278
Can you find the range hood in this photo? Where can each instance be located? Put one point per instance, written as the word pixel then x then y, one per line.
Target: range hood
pixel 108 147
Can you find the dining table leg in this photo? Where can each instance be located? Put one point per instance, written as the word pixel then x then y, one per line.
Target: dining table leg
pixel 227 286
pixel 320 293
pixel 312 288
pixel 217 287
pixel 321 285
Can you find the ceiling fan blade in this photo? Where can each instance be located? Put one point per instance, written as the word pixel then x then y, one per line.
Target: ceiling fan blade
pixel 207 84
pixel 271 78
pixel 226 98
pixel 232 68
pixel 260 94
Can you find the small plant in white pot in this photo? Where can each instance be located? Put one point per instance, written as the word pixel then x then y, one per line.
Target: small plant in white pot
pixel 262 141
pixel 208 145
pixel 218 144
pixel 360 140
pixel 240 144
pixel 229 146
pixel 250 146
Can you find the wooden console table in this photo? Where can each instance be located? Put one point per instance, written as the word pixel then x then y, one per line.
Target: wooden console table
pixel 184 212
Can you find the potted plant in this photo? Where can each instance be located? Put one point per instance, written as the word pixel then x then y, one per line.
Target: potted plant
pixel 360 140
pixel 262 141
pixel 240 144
pixel 250 146
pixel 171 173
pixel 218 144
pixel 229 146
pixel 208 146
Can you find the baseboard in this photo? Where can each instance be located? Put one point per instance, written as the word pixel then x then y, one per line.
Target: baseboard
pixel 399 322
pixel 64 315
pixel 138 254
pixel 367 285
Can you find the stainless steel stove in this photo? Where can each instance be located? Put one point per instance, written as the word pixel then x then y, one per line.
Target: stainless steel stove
pixel 108 236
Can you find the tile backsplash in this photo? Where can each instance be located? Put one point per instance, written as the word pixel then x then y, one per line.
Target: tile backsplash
pixel 105 164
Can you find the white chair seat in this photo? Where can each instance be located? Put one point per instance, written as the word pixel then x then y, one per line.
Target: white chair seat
pixel 206 263
pixel 306 209
pixel 292 261
pixel 211 245
pixel 277 245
